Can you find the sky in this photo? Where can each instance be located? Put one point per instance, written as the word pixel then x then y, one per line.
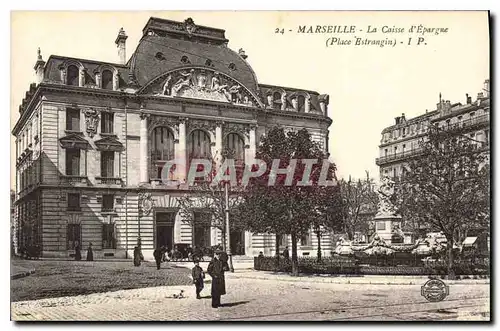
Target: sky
pixel 368 85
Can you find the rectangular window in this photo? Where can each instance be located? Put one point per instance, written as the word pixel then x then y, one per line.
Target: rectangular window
pixel 73 235
pixel 202 229
pixel 108 201
pixel 107 122
pixel 74 202
pixel 73 119
pixel 380 226
pixel 107 164
pixel 73 162
pixel 305 239
pixel 108 236
pixel 487 136
pixel 385 154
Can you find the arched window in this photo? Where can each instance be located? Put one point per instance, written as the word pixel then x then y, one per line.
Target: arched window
pixel 162 150
pixel 302 103
pixel 107 80
pixel 277 100
pixel 236 144
pixel 199 145
pixel 72 75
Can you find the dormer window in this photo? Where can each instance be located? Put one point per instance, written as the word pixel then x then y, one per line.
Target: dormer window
pixel 185 59
pixel 107 80
pixel 232 66
pixel 72 76
pixel 208 63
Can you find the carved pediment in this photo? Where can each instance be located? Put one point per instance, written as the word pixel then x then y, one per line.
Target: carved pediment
pixel 109 144
pixel 74 140
pixel 202 83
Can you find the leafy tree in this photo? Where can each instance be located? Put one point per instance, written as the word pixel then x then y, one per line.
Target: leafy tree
pixel 208 196
pixel 279 204
pixel 359 204
pixel 446 188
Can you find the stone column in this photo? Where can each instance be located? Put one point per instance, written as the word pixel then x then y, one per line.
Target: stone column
pixel 295 103
pixel 81 77
pixel 180 152
pixel 250 155
pixel 218 144
pixel 143 149
pixel 98 81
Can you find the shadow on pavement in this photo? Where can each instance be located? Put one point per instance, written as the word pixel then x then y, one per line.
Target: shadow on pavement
pixel 232 304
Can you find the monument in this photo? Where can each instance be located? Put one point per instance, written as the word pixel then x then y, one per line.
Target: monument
pixel 388 225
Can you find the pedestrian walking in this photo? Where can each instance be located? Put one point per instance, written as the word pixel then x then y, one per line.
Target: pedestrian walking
pixel 137 256
pixel 216 269
pixel 286 254
pixel 198 276
pixel 78 252
pixel 158 255
pixel 90 253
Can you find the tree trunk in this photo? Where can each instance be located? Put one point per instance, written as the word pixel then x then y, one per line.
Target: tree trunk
pixel 277 251
pixel 318 235
pixel 451 272
pixel 295 260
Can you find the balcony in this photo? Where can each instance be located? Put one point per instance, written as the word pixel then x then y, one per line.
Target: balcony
pixel 398 156
pixel 70 179
pixel 109 180
pixel 471 123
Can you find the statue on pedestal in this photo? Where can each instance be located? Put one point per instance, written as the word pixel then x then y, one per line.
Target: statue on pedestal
pixel 386 191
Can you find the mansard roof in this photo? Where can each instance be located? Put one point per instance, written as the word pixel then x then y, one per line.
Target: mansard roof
pixel 53 74
pixel 167 45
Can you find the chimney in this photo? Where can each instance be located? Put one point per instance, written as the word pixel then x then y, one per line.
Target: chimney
pixel 486 88
pixel 397 120
pixel 403 117
pixel 39 67
pixel 440 103
pixel 468 99
pixel 120 43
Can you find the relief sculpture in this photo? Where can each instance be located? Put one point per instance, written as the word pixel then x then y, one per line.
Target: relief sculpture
pixel 203 84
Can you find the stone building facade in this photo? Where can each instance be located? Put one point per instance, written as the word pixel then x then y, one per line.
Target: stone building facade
pixel 400 142
pixel 93 137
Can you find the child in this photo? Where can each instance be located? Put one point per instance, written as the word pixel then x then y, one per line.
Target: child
pixel 198 276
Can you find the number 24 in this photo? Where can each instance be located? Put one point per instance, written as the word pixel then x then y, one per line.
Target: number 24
pixel 278 30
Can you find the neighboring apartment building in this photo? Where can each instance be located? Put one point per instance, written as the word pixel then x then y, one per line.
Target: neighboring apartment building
pixel 400 142
pixel 93 137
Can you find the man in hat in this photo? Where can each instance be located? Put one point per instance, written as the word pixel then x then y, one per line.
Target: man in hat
pixel 216 269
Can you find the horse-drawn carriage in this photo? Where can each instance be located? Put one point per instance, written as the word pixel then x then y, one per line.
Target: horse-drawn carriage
pixel 184 252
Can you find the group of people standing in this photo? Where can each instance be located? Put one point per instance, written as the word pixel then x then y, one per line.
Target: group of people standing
pixel 216 269
pixel 78 252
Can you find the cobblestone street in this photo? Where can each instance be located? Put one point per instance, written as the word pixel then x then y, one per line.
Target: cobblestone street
pixel 255 299
pixel 68 278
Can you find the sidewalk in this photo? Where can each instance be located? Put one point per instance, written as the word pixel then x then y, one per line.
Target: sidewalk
pixel 346 279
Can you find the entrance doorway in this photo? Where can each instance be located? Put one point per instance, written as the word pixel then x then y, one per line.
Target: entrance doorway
pixel 237 242
pixel 165 229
